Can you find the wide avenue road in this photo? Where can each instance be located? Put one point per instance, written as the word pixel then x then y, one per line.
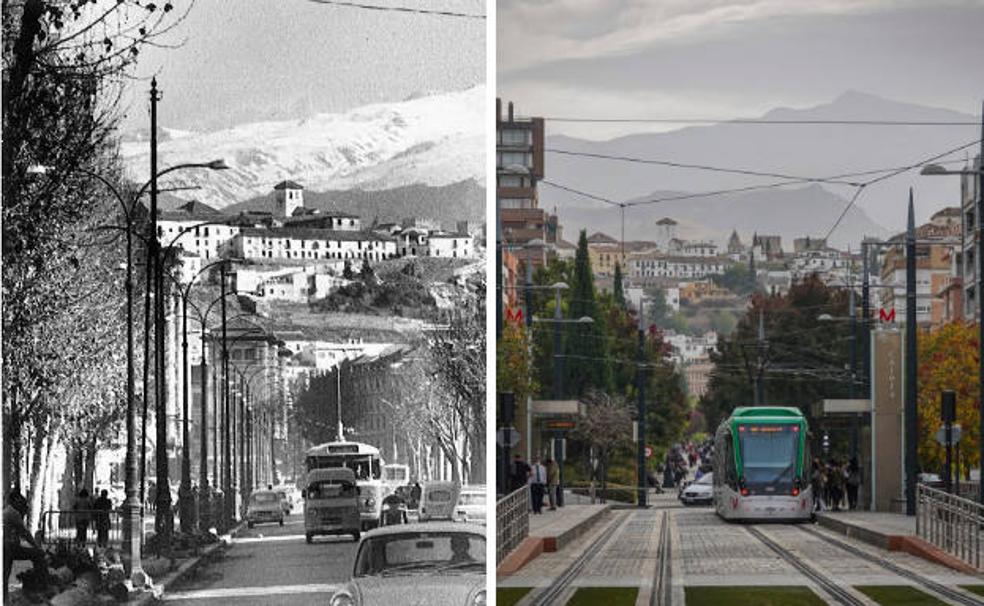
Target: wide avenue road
pixel 270 565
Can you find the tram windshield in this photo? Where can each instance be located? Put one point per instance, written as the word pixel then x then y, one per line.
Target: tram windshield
pixel 768 454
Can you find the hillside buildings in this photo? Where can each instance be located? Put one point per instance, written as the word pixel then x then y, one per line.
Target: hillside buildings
pixel 933 268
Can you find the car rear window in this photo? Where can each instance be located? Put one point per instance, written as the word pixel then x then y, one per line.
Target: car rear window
pixel 439 496
pixel 265 497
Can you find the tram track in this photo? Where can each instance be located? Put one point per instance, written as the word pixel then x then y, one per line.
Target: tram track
pixel 662 593
pixel 938 588
pixel 560 584
pixel 831 587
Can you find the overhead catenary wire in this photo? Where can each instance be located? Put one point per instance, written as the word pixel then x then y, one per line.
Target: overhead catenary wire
pixel 895 173
pixel 760 121
pixel 401 9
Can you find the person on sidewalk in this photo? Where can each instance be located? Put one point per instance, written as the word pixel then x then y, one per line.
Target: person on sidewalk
pixel 13 532
pixel 553 483
pixel 82 509
pixel 853 483
pixel 538 484
pixel 816 482
pixel 836 480
pixel 520 472
pixel 102 506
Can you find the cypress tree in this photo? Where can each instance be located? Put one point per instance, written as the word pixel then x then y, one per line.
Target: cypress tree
pixel 617 290
pixel 586 362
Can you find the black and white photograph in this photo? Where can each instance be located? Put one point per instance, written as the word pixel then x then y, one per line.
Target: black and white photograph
pixel 244 302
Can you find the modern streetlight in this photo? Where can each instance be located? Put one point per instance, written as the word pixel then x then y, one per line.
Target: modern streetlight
pixel 937 170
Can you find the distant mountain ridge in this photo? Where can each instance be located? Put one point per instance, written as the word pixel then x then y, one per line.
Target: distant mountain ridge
pixel 433 140
pixel 801 150
pixel 793 213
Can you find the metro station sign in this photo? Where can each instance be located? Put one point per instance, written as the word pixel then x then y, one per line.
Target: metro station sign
pixel 886 315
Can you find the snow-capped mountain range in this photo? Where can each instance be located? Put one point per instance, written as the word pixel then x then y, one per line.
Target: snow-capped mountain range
pixel 432 140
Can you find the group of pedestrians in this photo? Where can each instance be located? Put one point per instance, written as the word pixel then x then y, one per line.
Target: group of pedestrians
pixel 834 481
pixel 86 511
pixel 543 478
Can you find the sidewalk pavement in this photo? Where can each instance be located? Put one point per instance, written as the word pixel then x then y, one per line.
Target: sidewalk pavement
pixel 889 531
pixel 552 530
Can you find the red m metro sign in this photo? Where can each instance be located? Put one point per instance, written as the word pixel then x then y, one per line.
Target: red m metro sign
pixel 886 315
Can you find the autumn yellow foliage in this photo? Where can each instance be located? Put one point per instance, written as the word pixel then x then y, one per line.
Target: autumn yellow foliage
pixel 948 360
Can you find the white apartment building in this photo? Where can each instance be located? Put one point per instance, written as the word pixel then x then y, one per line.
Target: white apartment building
pixel 656 265
pixel 198 229
pixel 698 249
pixel 688 349
pixel 451 245
pixel 311 244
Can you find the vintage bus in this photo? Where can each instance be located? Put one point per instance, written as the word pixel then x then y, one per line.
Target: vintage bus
pixel 364 460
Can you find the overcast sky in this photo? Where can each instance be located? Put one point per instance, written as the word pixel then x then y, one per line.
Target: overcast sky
pixel 248 60
pixel 732 58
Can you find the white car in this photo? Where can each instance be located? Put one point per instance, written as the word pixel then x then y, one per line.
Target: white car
pixel 418 564
pixel 471 504
pixel 701 491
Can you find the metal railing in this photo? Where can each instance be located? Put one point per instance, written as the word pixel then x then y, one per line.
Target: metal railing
pixel 951 523
pixel 512 519
pixel 58 526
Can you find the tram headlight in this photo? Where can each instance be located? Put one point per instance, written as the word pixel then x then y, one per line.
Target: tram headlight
pixel 796 491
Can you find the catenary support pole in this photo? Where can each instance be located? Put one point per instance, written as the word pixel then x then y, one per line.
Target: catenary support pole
pixel 911 385
pixel 641 412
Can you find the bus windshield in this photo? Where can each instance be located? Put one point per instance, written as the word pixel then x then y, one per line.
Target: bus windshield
pixel 768 454
pixel 366 467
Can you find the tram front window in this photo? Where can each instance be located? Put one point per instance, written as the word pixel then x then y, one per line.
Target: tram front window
pixel 768 455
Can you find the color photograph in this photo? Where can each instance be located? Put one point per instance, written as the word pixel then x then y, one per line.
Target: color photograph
pixel 739 277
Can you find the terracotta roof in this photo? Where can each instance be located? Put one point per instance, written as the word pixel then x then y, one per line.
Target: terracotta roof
pixel 287 184
pixel 300 233
pixel 601 238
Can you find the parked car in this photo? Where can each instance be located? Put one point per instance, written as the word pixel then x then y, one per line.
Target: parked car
pixel 699 492
pixel 471 504
pixel 264 507
pixel 933 480
pixel 438 500
pixel 436 562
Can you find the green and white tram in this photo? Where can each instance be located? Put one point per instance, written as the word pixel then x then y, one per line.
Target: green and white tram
pixel 762 465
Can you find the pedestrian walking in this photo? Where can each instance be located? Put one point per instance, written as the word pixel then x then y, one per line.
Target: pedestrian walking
pixel 538 484
pixel 102 507
pixel 82 509
pixel 14 532
pixel 835 478
pixel 415 495
pixel 553 484
pixel 853 483
pixel 816 483
pixel 520 472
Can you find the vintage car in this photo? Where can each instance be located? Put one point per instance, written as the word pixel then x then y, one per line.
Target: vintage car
pixel 331 503
pixel 264 507
pixel 438 501
pixel 471 504
pixel 418 564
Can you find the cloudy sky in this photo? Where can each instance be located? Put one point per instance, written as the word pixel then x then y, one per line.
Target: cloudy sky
pixel 245 60
pixel 732 58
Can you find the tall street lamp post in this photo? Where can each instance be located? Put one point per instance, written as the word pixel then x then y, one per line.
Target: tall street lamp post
pixel 933 170
pixel 185 500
